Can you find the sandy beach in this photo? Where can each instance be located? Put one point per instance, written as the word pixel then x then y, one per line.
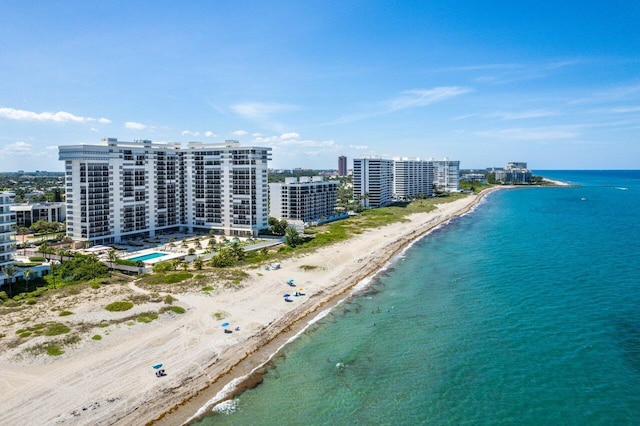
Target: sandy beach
pixel 111 381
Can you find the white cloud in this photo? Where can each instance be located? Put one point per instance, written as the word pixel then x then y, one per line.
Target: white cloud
pixel 419 98
pixel 256 135
pixel 240 133
pixel 56 117
pixel 358 147
pixel 20 149
pixel 260 110
pixel 210 134
pixel 408 99
pixel 93 129
pixel 292 140
pixel 524 114
pixel 134 126
pixel 290 135
pixel 190 133
pixel 532 134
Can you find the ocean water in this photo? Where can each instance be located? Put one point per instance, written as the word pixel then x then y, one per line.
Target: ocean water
pixel 525 311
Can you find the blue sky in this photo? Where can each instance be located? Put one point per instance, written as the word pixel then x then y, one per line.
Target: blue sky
pixel 555 84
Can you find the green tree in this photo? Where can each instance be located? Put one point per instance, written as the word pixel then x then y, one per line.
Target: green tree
pixel 10 271
pixel 44 249
pixel 292 237
pixel 198 263
pixel 223 259
pixel 113 257
pixel 22 230
pixel 175 264
pixel 236 250
pixel 53 267
pixel 28 274
pixel 277 227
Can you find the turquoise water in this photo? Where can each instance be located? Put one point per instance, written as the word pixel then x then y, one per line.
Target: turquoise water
pixel 526 311
pixel 149 256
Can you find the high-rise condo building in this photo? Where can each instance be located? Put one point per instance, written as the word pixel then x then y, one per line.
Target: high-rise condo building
pixel 7 223
pixel 120 190
pixel 303 200
pixel 446 175
pixel 373 181
pixel 412 178
pixel 342 165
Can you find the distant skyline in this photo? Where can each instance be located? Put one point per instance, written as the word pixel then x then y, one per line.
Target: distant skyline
pixel 556 85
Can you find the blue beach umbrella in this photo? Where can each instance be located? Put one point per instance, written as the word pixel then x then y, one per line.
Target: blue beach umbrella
pixel 225 324
pixel 156 366
pixel 286 295
pixel 290 280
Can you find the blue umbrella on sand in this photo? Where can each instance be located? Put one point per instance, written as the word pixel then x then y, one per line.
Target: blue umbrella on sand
pixel 156 366
pixel 286 295
pixel 225 324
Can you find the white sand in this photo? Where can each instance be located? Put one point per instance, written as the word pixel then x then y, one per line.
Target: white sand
pixel 111 381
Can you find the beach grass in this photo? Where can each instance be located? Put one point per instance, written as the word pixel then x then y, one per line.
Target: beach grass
pixel 120 306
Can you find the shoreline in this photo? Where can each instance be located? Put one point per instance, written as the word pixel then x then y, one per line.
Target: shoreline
pixel 110 380
pixel 248 372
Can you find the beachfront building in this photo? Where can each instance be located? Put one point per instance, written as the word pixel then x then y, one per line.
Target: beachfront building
pixel 446 175
pixel 373 181
pixel 29 213
pixel 118 191
pixel 7 224
pixel 514 173
pixel 412 178
pixel 305 200
pixel 342 165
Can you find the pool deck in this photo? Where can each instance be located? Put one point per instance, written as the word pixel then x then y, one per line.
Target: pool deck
pixel 167 256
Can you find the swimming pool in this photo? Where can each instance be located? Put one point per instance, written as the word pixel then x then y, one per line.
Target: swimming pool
pixel 148 256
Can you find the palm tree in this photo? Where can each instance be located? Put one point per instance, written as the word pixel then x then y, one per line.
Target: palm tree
pixel 10 271
pixel 113 256
pixel 44 249
pixel 175 263
pixel 22 230
pixel 62 253
pixel 53 266
pixel 198 263
pixel 237 251
pixel 28 273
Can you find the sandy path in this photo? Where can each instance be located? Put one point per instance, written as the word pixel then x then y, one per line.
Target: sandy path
pixel 111 381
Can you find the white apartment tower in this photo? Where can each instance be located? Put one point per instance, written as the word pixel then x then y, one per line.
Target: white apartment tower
pixel 7 223
pixel 411 178
pixel 125 190
pixel 446 175
pixel 303 200
pixel 373 181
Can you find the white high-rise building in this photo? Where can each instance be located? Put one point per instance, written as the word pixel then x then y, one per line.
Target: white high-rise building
pixel 303 200
pixel 124 190
pixel 373 181
pixel 446 175
pixel 412 177
pixel 7 223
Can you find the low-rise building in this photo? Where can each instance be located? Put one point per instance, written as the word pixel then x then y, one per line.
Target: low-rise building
pixel 303 200
pixel 513 173
pixel 29 213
